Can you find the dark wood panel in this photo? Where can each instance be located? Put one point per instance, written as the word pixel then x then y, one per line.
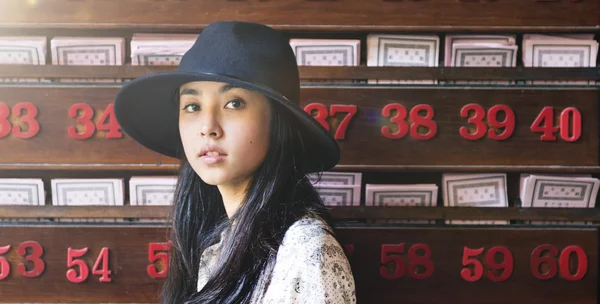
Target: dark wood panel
pixel 363 144
pixel 53 145
pixel 320 72
pixel 303 14
pixel 339 213
pixel 447 246
pixel 128 256
pixel 130 283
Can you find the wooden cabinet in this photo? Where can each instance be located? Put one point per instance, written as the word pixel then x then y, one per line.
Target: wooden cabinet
pixel 515 263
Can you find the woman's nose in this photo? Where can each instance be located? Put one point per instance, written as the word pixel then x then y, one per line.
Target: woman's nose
pixel 210 127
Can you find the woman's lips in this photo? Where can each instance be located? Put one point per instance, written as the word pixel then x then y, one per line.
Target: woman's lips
pixel 211 158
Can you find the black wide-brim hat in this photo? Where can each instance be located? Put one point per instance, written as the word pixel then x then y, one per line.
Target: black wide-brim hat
pixel 249 55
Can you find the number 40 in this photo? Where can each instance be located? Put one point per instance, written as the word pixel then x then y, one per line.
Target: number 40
pixel 570 119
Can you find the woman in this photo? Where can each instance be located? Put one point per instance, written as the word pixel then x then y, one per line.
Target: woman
pixel 248 227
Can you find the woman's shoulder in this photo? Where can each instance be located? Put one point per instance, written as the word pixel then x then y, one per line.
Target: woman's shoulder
pixel 309 233
pixel 308 226
pixel 311 266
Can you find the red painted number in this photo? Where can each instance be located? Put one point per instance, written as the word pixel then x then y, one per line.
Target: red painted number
pixel 507 125
pixel 85 120
pixel 399 120
pixel 422 262
pixel 32 252
pixel 417 121
pixel 544 258
pixel 84 271
pixel 31 113
pixel 569 124
pixel 505 267
pixel 537 260
pixel 4 265
pixel 107 122
pixel 5 126
pixel 28 118
pixel 477 272
pixel 100 266
pixel 396 259
pixel 163 257
pixel 565 265
pixel 34 256
pixel 322 113
pixel 570 118
pixel 340 133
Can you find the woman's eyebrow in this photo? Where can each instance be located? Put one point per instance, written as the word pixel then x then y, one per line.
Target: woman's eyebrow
pixel 228 87
pixel 190 92
pixel 195 92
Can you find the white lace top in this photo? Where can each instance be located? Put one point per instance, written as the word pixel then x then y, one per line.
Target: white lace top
pixel 310 267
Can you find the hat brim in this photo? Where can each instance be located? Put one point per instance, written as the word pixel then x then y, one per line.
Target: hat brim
pixel 146 111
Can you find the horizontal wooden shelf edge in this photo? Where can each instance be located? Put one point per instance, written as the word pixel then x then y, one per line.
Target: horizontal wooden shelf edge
pixel 129 71
pixel 110 167
pixel 338 213
pixel 364 168
pixel 470 168
pixel 303 27
pixel 466 213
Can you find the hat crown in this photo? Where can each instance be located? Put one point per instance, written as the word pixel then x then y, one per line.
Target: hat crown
pixel 247 51
pixel 249 55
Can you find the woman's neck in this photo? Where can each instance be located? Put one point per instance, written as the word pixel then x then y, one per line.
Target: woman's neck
pixel 233 195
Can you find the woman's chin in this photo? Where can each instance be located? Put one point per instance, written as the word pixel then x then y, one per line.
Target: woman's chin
pixel 216 177
pixel 213 180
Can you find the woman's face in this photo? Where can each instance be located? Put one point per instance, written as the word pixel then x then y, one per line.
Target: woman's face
pixel 224 130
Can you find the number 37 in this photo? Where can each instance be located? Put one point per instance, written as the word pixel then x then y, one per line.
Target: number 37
pixel 322 114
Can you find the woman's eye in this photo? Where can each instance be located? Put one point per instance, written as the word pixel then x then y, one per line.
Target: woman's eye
pixel 191 108
pixel 235 104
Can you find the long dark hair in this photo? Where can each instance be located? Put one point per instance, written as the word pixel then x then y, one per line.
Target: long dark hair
pixel 278 195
